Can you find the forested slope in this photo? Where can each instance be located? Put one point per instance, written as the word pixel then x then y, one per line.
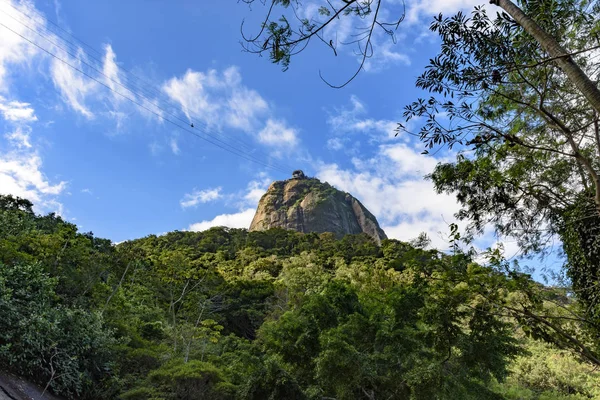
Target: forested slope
pixel 231 314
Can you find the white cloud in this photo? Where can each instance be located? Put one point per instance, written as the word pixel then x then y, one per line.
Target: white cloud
pixel 354 119
pixel 155 148
pixel 21 171
pixel 190 92
pixel 15 51
pixel 21 175
pixel 255 190
pixel 427 9
pixel 243 106
pixel 385 55
pixel 119 117
pixel 335 143
pixel 19 137
pixel 73 86
pixel 344 32
pixel 408 161
pixel 241 219
pixel 246 201
pixel 16 111
pixel 339 30
pixel 278 134
pixel 110 69
pixel 391 185
pixel 174 145
pixel 79 92
pixel 217 99
pixel 200 196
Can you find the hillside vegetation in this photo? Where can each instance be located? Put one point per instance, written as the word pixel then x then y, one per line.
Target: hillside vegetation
pixel 232 314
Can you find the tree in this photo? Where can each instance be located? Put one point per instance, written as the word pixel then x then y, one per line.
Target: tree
pixel 529 165
pixel 517 94
pixel 66 349
pixel 287 35
pixel 282 39
pixel 415 337
pixel 226 314
pixel 551 45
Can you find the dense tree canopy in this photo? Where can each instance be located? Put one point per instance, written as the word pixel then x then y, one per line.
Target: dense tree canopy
pixel 231 314
pixel 516 93
pixel 529 138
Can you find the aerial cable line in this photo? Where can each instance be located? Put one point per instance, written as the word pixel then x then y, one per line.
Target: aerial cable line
pixel 75 48
pixel 192 123
pixel 150 85
pixel 279 166
pixel 231 149
pixel 56 25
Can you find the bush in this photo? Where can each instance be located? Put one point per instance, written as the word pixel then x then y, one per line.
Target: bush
pixel 65 348
pixel 180 380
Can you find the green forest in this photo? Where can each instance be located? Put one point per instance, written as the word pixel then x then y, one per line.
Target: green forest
pixel 513 99
pixel 232 314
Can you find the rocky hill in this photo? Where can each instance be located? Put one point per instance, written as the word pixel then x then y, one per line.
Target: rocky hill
pixel 308 205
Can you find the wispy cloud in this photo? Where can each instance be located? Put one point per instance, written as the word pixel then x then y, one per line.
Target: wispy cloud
pixel 98 88
pixel 74 87
pixel 200 196
pixel 391 186
pixel 174 145
pixel 19 137
pixel 254 191
pixel 16 111
pixel 345 32
pixel 15 52
pixel 217 99
pixel 278 134
pixel 86 96
pixel 335 143
pixel 220 101
pixel 387 55
pixel 155 148
pixel 246 202
pixel 427 9
pixel 21 175
pixel 112 73
pixel 21 166
pixel 240 219
pixel 354 119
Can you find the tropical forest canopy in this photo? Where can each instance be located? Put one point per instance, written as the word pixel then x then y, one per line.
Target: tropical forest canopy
pixel 513 92
pixel 232 314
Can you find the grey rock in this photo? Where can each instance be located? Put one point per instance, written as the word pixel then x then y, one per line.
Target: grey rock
pixel 309 205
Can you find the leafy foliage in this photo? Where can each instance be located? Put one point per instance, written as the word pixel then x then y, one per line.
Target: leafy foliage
pixel 67 348
pixel 285 35
pixel 528 138
pixel 549 373
pixel 231 314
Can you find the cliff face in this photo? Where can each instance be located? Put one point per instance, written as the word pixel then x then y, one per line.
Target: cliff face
pixel 308 205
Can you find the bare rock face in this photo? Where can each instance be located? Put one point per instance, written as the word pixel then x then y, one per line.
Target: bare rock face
pixel 13 387
pixel 309 205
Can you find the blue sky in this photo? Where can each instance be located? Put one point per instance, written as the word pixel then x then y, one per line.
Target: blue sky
pixel 115 167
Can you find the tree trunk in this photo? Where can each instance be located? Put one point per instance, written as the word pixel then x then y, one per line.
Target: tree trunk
pixel 556 51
